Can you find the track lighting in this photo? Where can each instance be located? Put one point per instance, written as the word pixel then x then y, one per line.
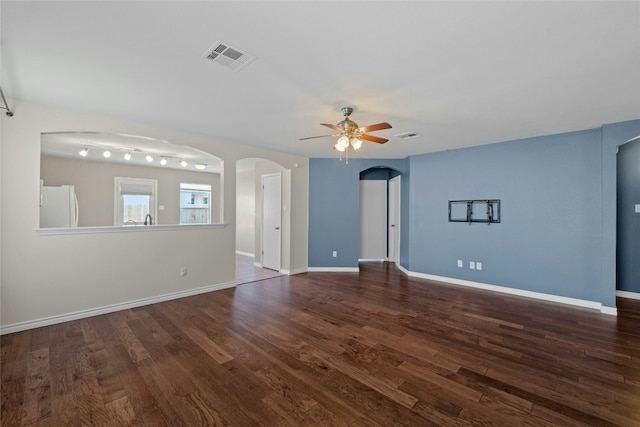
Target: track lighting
pixel 128 155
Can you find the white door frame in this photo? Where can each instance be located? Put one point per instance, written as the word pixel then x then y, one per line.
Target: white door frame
pixel 272 232
pixel 394 219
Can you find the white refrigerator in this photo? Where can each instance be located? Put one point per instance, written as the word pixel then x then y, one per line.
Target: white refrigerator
pixel 58 207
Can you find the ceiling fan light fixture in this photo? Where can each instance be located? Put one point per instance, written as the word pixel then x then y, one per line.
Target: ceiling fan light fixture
pixel 356 143
pixel 343 142
pixel 339 147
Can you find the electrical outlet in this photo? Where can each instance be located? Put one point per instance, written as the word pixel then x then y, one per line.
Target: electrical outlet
pixel 478 265
pixel 183 271
pixel 472 265
pixel 459 263
pixel 335 254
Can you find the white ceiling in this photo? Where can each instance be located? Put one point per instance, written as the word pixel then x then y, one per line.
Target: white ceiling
pixel 457 73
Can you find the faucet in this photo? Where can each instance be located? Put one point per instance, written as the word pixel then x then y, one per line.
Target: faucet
pixel 129 222
pixel 148 217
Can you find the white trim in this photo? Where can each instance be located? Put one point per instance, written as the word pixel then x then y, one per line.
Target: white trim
pixel 52 320
pixel 519 292
pixel 627 294
pixel 297 271
pixel 125 229
pixel 245 254
pixel 257 264
pixel 333 269
pixel 404 270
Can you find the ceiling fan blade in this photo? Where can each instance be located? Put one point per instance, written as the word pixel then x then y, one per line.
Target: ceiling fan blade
pixel 319 136
pixel 373 139
pixel 330 126
pixel 377 126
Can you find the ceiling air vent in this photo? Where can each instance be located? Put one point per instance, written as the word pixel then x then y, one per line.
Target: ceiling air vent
pixel 228 56
pixel 408 135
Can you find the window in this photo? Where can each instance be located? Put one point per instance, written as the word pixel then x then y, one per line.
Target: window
pixel 195 203
pixel 135 201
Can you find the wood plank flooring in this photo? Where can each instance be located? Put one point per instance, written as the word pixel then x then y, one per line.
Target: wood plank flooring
pixel 371 349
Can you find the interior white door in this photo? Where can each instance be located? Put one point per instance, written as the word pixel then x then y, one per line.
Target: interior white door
pixel 271 220
pixel 394 219
pixel 373 220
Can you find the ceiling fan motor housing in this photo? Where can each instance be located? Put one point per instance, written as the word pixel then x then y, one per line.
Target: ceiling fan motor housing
pixel 348 126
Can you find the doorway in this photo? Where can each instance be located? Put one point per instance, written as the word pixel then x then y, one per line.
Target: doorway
pixel 380 215
pixel 628 219
pixel 394 219
pixel 271 221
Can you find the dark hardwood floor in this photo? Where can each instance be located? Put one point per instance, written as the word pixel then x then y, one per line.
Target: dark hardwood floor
pixel 375 348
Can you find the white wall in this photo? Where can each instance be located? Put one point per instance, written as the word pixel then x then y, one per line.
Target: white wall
pixel 93 181
pixel 48 277
pixel 245 212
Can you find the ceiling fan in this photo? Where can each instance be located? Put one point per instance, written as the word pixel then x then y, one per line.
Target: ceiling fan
pixel 350 133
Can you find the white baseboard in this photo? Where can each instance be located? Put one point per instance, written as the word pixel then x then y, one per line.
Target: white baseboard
pixel 627 294
pixel 293 272
pixel 46 321
pixel 372 260
pixel 519 292
pixel 333 270
pixel 257 264
pixel 245 254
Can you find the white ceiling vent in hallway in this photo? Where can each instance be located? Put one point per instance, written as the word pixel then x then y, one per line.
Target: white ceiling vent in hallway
pixel 408 135
pixel 228 56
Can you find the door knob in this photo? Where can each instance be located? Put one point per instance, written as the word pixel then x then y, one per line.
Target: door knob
pixel 277 228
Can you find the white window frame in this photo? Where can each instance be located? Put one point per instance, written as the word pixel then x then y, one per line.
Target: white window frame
pixel 197 187
pixel 150 185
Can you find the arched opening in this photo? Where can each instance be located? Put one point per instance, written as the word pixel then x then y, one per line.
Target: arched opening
pixel 380 214
pixel 628 219
pixel 251 245
pixel 119 180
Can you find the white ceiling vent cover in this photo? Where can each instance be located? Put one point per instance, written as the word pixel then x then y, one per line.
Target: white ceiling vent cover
pixel 228 56
pixel 408 135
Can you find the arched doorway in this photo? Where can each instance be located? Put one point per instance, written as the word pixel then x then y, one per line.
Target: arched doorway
pixel 380 214
pixel 250 208
pixel 628 220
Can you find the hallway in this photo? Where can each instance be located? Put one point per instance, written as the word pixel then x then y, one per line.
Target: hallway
pixel 246 272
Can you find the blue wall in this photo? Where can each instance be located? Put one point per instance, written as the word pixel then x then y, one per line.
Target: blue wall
pixel 628 243
pixel 334 210
pixel 558 212
pixel 549 237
